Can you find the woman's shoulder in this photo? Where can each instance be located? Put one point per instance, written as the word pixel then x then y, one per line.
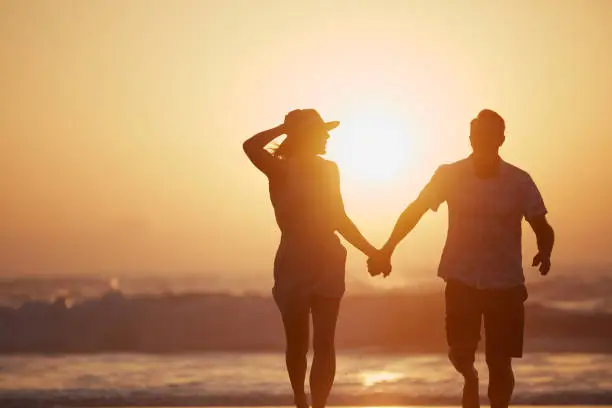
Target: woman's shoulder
pixel 330 171
pixel 328 164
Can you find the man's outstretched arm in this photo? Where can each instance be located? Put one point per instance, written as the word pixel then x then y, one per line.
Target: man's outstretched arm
pixel 545 236
pixel 430 198
pixel 405 223
pixel 381 262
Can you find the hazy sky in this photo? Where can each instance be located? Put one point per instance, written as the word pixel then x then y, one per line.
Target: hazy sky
pixel 121 122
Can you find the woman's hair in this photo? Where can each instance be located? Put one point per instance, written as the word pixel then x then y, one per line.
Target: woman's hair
pixel 286 148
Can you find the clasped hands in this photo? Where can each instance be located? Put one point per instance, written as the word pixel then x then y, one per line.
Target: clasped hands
pixel 380 263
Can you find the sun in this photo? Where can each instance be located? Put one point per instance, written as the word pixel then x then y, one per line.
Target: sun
pixel 371 148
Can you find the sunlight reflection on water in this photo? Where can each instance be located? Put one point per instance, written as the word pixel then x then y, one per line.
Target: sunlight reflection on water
pixel 358 375
pixel 371 378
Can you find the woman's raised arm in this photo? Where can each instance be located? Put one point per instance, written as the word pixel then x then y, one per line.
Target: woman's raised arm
pixel 256 152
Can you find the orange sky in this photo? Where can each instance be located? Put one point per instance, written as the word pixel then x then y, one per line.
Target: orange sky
pixel 121 122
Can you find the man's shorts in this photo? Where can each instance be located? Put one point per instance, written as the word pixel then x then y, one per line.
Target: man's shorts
pixel 503 313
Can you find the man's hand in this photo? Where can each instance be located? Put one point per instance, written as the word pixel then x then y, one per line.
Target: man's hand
pixel 543 261
pixel 380 263
pixel 546 239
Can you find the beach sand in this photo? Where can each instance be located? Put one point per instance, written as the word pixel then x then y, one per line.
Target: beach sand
pixel 392 406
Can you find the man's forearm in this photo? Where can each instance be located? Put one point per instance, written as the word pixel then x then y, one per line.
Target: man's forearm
pixel 546 240
pixel 406 222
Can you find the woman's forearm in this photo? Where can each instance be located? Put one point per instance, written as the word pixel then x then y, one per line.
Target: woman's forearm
pixel 351 233
pixel 261 139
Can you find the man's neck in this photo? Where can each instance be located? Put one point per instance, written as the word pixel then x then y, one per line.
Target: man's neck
pixel 486 166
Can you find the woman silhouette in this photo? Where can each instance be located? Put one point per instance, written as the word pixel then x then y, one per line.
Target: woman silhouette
pixel 309 267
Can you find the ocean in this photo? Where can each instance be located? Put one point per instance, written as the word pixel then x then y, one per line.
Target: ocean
pixel 144 342
pixel 251 379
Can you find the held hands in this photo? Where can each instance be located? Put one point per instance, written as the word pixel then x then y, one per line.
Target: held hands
pixel 543 261
pixel 380 263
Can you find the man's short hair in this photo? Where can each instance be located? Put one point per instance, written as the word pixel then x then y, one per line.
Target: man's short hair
pixel 491 120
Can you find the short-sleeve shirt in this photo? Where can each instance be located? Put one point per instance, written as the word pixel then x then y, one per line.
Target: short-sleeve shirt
pixel 483 244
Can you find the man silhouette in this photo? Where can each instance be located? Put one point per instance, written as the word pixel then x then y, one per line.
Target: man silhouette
pixel 481 263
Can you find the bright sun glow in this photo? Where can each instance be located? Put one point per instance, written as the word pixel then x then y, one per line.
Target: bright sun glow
pixel 371 378
pixel 371 148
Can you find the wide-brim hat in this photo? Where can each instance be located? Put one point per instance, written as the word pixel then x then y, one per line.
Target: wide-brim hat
pixel 308 118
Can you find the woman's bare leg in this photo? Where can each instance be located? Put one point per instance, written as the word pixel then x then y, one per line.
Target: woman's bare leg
pixel 322 374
